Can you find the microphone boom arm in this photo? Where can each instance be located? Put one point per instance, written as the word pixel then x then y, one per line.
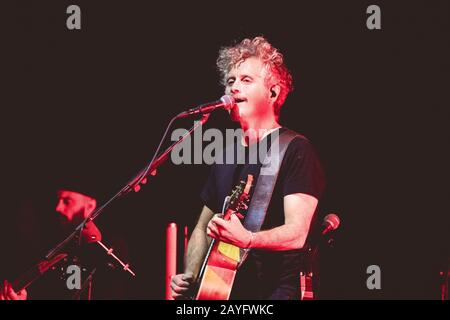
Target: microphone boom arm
pixel 133 184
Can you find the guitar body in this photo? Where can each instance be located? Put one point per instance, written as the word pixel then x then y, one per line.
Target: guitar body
pixel 217 283
pixel 223 259
pixel 219 272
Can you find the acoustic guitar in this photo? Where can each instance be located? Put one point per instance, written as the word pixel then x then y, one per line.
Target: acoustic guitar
pixel 222 260
pixel 34 273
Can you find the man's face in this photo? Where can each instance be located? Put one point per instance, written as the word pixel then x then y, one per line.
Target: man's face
pixel 246 83
pixel 72 206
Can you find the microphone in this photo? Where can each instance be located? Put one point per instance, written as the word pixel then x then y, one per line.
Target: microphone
pixel 226 102
pixel 330 222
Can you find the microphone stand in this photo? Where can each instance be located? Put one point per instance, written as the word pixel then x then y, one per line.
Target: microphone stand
pixel 310 275
pixel 134 184
pixel 86 284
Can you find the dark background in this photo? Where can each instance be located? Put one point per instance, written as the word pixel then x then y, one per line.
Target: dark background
pixel 97 100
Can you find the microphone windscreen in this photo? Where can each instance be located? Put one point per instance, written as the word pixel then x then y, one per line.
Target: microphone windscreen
pixel 332 220
pixel 228 101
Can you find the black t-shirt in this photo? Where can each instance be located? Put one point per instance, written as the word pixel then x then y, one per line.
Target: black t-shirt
pixel 264 272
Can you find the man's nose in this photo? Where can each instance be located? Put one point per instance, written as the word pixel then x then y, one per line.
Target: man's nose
pixel 59 207
pixel 234 89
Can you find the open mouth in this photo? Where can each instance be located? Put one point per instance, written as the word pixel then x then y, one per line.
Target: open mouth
pixel 240 100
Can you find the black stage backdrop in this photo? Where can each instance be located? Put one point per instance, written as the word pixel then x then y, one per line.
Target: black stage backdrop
pixel 97 100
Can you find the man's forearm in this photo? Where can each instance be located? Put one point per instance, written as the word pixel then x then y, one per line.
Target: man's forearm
pixel 196 251
pixel 299 209
pixel 285 237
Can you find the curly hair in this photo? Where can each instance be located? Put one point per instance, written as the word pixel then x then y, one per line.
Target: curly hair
pixel 230 57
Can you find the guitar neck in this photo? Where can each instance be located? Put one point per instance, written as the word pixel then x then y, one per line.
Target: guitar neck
pixel 26 279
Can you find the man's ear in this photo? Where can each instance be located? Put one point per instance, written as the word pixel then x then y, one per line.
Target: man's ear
pixel 91 205
pixel 274 92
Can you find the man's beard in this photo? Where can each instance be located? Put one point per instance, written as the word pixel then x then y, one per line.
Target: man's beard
pixel 77 218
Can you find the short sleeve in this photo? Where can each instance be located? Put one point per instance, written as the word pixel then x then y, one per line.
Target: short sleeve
pixel 209 192
pixel 301 169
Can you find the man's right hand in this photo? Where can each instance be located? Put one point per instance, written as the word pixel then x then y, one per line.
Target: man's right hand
pixel 7 292
pixel 181 285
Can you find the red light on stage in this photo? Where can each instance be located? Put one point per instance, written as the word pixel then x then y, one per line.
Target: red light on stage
pixel 171 256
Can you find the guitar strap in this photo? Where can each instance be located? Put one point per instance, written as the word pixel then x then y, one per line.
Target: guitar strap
pixel 266 182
